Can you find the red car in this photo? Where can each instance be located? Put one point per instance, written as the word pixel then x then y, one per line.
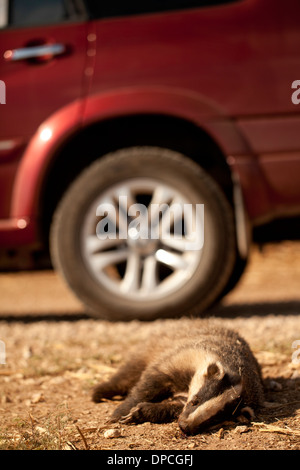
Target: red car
pixel 115 113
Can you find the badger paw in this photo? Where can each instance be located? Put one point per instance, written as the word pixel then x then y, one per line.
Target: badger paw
pixel 136 414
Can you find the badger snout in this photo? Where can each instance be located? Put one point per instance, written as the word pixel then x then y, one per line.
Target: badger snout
pixel 188 425
pixel 184 427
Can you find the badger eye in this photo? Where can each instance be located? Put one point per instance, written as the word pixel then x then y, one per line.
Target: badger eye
pixel 194 401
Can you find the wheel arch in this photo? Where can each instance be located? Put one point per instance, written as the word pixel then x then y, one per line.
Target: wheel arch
pixel 156 130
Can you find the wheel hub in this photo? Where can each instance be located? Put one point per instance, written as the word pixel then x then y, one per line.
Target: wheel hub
pixel 140 242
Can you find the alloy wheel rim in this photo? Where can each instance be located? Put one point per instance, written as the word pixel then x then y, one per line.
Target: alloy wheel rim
pixel 130 240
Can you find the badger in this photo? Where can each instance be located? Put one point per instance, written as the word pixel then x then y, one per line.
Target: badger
pixel 197 374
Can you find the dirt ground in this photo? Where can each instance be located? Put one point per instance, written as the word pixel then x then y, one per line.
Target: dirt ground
pixel 55 354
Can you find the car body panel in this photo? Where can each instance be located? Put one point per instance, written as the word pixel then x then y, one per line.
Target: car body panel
pixel 240 47
pixel 226 69
pixel 35 90
pixel 31 172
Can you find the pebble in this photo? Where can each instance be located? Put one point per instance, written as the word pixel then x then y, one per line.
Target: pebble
pixel 41 430
pixel 37 398
pixel 192 445
pixel 241 429
pixel 112 433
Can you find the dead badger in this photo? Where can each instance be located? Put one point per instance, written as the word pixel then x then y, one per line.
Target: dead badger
pixel 200 375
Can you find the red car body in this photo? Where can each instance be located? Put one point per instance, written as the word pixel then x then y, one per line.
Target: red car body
pixel 225 70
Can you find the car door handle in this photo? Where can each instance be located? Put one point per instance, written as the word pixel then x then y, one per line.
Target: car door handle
pixel 35 52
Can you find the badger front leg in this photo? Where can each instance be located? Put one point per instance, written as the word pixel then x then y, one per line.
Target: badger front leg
pixel 163 412
pixel 153 387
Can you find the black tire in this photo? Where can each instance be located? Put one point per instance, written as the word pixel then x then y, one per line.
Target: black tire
pixel 236 276
pixel 198 290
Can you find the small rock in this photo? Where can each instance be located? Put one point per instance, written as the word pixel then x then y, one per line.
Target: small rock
pixel 241 429
pixel 54 381
pixel 41 430
pixel 6 399
pixel 112 433
pixel 37 398
pixel 192 445
pixel 27 352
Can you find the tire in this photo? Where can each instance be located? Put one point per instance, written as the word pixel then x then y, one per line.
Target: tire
pixel 237 273
pixel 130 276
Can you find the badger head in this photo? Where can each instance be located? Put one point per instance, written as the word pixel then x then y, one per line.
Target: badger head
pixel 214 395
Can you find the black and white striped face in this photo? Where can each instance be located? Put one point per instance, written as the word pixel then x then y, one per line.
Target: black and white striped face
pixel 213 396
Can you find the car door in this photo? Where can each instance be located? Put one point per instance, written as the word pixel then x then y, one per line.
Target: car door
pixel 42 65
pixel 42 60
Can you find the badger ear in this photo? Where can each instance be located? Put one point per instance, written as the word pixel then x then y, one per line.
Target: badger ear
pixel 215 369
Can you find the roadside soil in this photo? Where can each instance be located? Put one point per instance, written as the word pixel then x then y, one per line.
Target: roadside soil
pixel 55 354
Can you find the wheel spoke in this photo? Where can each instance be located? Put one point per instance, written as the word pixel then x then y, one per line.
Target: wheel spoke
pixel 173 215
pixel 131 280
pixel 94 244
pixel 158 205
pixel 178 244
pixel 124 199
pixel 149 279
pixel 108 258
pixel 122 193
pixel 172 260
pixel 161 195
pixel 165 214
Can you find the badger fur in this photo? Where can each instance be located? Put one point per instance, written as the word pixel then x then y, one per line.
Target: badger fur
pixel 198 374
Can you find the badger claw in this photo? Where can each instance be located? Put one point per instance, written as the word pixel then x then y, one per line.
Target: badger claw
pixel 126 419
pixel 131 417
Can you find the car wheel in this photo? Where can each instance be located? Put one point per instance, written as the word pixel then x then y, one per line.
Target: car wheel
pixel 130 239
